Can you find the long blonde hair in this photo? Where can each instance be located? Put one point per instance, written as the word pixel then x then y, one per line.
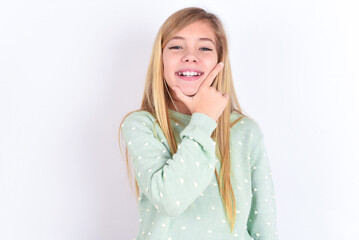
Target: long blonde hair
pixel 156 98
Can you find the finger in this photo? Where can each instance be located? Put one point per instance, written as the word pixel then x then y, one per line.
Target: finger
pixel 212 75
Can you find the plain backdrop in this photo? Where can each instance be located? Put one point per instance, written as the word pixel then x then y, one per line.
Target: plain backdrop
pixel 71 70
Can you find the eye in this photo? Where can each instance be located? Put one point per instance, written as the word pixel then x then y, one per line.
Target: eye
pixel 175 47
pixel 206 49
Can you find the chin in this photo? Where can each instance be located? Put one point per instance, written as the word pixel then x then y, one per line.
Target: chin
pixel 190 92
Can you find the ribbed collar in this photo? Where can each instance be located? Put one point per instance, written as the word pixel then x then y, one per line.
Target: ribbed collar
pixel 184 119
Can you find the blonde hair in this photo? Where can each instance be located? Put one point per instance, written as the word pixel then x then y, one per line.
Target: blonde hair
pixel 155 98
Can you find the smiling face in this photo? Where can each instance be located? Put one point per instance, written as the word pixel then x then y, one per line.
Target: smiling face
pixel 189 56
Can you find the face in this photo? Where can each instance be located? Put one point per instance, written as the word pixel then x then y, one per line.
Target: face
pixel 189 56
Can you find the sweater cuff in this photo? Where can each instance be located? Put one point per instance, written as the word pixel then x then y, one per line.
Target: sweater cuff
pixel 200 125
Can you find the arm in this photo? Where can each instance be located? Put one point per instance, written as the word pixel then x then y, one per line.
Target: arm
pixel 171 183
pixel 262 222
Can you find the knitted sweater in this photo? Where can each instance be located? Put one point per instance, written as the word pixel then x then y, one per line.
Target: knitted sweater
pixel 179 194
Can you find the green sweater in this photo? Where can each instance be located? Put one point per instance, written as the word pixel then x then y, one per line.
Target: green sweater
pixel 179 195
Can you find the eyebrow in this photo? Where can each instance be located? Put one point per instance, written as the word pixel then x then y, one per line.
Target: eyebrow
pixel 202 39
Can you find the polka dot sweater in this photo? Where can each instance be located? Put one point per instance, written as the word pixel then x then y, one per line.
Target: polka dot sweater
pixel 179 195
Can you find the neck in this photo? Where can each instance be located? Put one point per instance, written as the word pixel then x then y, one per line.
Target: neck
pixel 181 107
pixel 175 104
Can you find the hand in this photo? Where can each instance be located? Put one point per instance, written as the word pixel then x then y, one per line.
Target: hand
pixel 207 100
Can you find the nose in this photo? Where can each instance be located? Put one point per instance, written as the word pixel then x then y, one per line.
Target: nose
pixel 189 56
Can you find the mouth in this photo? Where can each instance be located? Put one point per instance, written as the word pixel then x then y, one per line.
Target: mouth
pixel 189 75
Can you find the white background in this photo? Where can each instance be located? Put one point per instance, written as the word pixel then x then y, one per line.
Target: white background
pixel 70 71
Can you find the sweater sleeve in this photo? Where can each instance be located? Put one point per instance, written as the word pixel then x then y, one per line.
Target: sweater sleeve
pixel 171 182
pixel 262 222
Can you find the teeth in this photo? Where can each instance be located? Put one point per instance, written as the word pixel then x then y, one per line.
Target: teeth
pixel 189 74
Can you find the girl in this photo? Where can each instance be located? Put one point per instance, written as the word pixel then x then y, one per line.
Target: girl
pixel 189 128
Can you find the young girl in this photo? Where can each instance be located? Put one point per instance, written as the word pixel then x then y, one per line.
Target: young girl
pixel 189 128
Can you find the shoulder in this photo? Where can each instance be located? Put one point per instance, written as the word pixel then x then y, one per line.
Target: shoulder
pixel 245 126
pixel 136 123
pixel 138 116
